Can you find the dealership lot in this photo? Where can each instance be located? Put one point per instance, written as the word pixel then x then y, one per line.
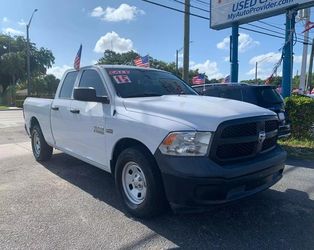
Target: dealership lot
pixel 66 203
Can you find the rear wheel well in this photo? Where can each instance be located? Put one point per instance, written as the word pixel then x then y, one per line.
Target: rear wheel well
pixel 122 145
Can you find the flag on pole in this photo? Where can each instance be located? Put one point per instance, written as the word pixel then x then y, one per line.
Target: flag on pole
pixel 199 79
pixel 77 60
pixel 309 25
pixel 142 61
pixel 226 79
pixel 269 79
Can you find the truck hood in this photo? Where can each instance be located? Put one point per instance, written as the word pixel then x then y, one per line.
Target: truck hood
pixel 197 112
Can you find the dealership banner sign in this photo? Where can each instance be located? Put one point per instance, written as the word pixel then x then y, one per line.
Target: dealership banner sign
pixel 226 12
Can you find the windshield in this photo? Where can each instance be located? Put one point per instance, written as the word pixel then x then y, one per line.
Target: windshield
pixel 141 83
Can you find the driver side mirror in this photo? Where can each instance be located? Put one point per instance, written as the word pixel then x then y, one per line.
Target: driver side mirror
pixel 88 94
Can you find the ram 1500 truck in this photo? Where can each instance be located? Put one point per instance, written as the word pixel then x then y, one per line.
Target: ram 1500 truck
pixel 163 143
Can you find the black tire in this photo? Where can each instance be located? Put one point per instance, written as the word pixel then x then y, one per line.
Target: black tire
pixel 44 151
pixel 154 202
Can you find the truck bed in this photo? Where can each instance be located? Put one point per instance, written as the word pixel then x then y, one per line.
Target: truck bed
pixel 39 108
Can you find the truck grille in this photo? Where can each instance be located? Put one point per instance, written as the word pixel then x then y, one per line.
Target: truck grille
pixel 240 139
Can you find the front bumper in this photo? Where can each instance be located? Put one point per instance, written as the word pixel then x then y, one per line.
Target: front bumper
pixel 198 182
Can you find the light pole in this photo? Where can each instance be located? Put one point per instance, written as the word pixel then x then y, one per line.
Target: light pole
pixel 256 65
pixel 186 39
pixel 256 72
pixel 177 58
pixel 28 54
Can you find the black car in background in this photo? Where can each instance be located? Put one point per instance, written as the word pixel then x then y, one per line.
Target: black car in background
pixel 262 95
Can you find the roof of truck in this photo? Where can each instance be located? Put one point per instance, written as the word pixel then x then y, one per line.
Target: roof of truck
pixel 238 85
pixel 114 66
pixel 109 66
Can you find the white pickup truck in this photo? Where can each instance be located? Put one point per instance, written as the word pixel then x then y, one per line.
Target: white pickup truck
pixel 163 143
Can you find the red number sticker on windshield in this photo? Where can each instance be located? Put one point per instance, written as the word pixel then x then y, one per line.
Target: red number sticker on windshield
pixel 122 79
pixel 119 72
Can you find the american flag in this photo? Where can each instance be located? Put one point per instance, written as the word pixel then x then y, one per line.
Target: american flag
pixel 77 60
pixel 142 61
pixel 309 25
pixel 199 79
pixel 226 79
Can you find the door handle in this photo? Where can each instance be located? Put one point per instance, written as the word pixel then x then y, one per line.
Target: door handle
pixel 75 111
pixel 55 108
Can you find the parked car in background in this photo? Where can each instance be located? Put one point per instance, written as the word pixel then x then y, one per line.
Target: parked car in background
pixel 264 96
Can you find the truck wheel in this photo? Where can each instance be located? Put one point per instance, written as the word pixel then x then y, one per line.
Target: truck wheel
pixel 41 150
pixel 139 183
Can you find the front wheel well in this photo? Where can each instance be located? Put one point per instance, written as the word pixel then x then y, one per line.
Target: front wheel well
pixel 122 145
pixel 33 122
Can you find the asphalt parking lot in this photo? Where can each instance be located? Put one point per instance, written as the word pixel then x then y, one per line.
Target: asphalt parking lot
pixel 68 204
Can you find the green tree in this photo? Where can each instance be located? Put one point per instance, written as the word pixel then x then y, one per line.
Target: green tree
pixel 13 60
pixel 113 58
pixel 44 85
pixel 12 64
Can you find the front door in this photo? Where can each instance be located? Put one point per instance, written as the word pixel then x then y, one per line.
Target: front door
pixel 89 118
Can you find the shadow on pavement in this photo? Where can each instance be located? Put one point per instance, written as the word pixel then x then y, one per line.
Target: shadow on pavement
pixel 272 219
pixel 300 163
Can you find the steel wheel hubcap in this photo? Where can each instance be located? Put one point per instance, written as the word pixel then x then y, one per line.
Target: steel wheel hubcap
pixel 36 143
pixel 134 183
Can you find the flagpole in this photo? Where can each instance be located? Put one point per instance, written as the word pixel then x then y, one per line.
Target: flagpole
pixel 204 83
pixel 148 60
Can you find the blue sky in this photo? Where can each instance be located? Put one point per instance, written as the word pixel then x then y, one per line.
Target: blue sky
pixel 62 25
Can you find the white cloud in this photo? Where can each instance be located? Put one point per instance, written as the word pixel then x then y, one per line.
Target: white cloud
pixel 209 68
pixel 124 12
pixel 5 20
pixel 12 31
pixel 58 71
pixel 268 58
pixel 22 22
pixel 246 42
pixel 266 63
pixel 224 44
pixel 113 42
pixel 97 12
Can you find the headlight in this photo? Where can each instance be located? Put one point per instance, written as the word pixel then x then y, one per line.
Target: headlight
pixel 281 116
pixel 186 143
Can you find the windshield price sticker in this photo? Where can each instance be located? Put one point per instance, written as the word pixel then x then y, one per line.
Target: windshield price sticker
pixel 122 79
pixel 119 72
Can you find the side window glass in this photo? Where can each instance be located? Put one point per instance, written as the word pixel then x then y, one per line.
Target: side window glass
pixel 231 93
pixel 91 78
pixel 249 95
pixel 212 92
pixel 67 86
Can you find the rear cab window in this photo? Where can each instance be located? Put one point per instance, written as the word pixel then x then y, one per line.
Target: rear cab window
pixel 68 85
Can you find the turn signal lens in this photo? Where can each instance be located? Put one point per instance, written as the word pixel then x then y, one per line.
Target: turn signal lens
pixel 169 139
